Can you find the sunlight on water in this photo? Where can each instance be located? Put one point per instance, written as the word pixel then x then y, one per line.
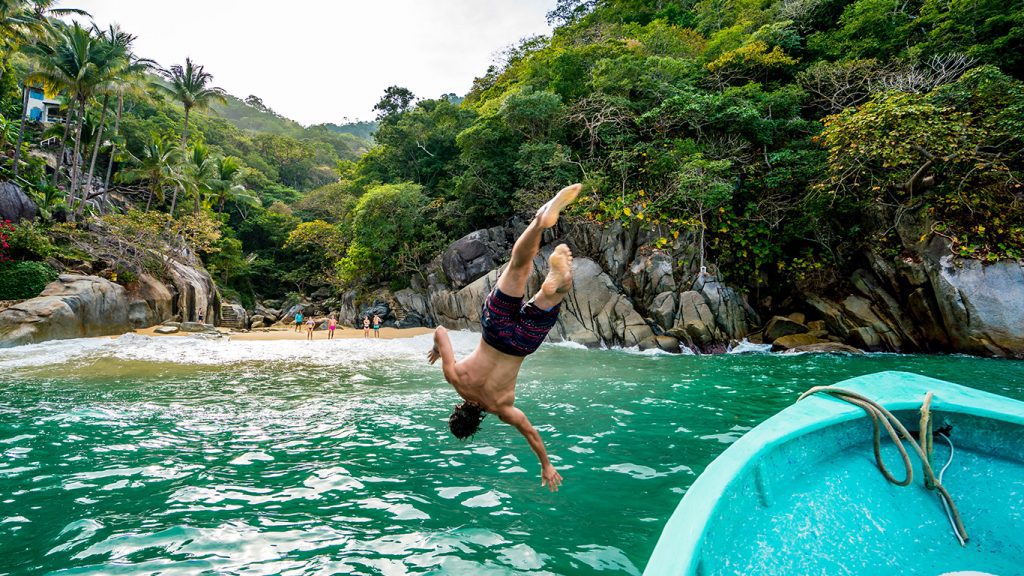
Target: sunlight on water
pixel 183 455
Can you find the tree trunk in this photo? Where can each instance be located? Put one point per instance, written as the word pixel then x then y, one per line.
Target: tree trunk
pixel 220 207
pixel 63 146
pixel 113 148
pixel 174 200
pixel 21 129
pixel 78 150
pixel 149 201
pixel 87 193
pixel 184 132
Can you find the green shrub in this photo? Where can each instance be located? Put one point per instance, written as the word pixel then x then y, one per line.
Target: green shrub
pixel 29 241
pixel 24 279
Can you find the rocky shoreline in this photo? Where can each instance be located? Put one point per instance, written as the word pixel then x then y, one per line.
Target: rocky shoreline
pixel 626 293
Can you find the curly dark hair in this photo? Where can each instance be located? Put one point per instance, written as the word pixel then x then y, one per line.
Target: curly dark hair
pixel 465 420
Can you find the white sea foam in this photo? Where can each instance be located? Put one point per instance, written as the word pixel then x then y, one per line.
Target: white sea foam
pixel 747 347
pixel 221 351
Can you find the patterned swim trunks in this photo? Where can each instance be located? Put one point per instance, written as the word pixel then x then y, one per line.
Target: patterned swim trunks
pixel 514 327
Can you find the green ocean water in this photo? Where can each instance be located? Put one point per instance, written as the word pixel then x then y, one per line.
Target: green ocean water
pixel 187 456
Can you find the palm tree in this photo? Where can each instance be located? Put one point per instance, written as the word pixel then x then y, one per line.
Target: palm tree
pixel 132 82
pixel 199 173
pixel 125 66
pixel 76 61
pixel 23 20
pixel 159 166
pixel 226 184
pixel 189 84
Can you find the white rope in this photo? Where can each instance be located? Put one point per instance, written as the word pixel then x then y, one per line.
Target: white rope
pixel 945 506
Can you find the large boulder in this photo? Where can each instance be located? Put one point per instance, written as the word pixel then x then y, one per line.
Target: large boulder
pixel 664 342
pixel 73 306
pixel 791 341
pixel 663 309
pixel 779 326
pixel 413 302
pixel 733 316
pixel 474 255
pixel 649 275
pixel 695 324
pixel 150 302
pixel 982 305
pixel 195 292
pixel 824 348
pixel 15 205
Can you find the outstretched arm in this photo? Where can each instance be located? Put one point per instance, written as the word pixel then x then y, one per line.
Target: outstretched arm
pixel 548 475
pixel 443 349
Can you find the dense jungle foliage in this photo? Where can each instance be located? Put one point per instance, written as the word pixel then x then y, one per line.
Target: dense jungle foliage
pixel 793 133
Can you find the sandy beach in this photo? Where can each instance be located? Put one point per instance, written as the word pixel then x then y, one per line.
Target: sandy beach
pixel 282 334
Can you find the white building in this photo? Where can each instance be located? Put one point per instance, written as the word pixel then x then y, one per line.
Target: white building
pixel 42 109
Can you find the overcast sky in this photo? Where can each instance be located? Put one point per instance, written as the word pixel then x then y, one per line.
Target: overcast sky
pixel 323 60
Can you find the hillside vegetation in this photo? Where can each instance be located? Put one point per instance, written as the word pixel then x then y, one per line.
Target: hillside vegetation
pixel 788 135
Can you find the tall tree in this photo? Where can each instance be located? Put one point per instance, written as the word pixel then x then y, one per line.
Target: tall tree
pixel 74 60
pixel 22 21
pixel 190 85
pixel 125 70
pixel 226 184
pixel 158 166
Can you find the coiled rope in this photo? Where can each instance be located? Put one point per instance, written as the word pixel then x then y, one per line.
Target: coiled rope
pixel 878 415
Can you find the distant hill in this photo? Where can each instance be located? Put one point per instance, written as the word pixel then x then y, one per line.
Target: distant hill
pixel 363 129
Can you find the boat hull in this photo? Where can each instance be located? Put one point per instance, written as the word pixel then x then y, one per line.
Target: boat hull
pixel 801 494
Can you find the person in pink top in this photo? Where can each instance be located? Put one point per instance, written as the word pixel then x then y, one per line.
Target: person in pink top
pixel 331 325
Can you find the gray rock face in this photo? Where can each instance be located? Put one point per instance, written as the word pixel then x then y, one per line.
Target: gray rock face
pixel 666 343
pixel 733 316
pixel 15 205
pixel 196 292
pixel 596 313
pixel 474 255
pixel 825 348
pixel 73 306
pixel 779 326
pixel 695 324
pixel 650 275
pixel 150 302
pixel 791 341
pixel 982 306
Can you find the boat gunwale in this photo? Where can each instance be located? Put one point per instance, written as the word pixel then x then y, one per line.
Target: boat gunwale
pixel 678 549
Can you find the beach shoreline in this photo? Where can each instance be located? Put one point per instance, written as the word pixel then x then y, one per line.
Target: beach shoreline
pixel 271 334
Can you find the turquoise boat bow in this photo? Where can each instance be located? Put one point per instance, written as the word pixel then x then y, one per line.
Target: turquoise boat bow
pixel 801 493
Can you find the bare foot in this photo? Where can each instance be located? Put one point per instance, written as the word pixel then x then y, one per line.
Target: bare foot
pixel 559 278
pixel 547 216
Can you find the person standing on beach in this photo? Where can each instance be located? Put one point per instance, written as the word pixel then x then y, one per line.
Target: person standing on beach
pixel 366 326
pixel 310 326
pixel 512 329
pixel 376 326
pixel 331 325
pixel 298 321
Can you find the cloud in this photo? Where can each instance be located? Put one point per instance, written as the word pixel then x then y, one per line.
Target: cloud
pixel 321 61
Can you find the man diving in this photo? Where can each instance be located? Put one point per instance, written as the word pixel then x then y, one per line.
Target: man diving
pixel 512 330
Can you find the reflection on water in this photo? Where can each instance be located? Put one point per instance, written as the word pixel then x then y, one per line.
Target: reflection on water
pixel 179 455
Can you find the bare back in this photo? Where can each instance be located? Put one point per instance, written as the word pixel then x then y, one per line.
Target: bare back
pixel 487 377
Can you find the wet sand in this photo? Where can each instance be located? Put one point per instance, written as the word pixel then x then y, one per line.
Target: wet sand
pixel 282 334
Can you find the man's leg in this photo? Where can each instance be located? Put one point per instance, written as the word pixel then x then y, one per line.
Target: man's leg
pixel 558 281
pixel 513 279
